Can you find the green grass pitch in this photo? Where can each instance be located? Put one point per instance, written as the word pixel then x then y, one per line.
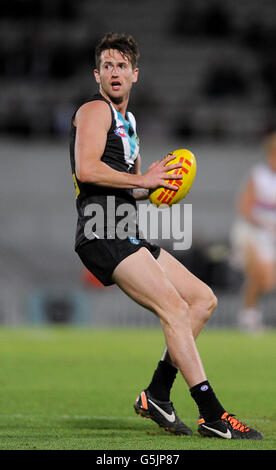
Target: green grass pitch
pixel 69 388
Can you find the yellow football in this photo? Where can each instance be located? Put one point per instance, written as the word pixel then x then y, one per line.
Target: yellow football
pixel 188 171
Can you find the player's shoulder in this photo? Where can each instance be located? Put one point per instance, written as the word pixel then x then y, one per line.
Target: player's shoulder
pixel 94 107
pixel 95 110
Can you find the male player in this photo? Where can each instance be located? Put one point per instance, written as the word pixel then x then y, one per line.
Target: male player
pixel 106 164
pixel 254 236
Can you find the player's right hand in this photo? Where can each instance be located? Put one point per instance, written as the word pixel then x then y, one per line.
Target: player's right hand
pixel 156 175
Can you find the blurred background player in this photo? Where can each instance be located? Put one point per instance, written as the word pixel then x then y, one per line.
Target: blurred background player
pixel 254 236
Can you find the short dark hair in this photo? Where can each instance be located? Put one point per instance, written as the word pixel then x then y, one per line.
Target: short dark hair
pixel 122 42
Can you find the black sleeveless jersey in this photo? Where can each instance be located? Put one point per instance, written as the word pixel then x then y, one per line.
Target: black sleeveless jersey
pixel 121 151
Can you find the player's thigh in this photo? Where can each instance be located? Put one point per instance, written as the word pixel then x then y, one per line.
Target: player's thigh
pixel 190 287
pixel 142 278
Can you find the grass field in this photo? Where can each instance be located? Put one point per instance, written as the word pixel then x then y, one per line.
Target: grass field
pixel 65 388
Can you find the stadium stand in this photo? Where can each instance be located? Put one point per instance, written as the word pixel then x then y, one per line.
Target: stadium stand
pixel 208 78
pixel 200 48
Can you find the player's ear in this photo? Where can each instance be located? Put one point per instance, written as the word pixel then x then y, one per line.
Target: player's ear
pixel 97 75
pixel 135 75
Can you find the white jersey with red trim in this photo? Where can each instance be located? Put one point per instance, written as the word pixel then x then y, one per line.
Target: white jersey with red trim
pixel 264 180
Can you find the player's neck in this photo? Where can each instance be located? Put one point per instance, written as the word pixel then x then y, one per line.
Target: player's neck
pixel 119 105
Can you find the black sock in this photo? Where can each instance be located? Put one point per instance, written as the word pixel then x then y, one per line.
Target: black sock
pixel 162 381
pixel 209 407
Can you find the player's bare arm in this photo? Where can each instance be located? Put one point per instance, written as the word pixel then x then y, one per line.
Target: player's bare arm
pixel 93 121
pixel 139 193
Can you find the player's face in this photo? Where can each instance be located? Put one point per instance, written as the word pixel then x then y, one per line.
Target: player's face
pixel 116 75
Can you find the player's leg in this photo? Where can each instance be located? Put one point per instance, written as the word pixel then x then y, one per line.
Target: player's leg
pixel 200 298
pixel 253 253
pixel 260 277
pixel 202 303
pixel 148 285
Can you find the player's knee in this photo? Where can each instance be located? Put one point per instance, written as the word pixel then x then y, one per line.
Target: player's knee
pixel 206 305
pixel 176 314
pixel 213 303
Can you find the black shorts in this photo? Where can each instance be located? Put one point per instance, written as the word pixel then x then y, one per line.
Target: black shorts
pixel 102 256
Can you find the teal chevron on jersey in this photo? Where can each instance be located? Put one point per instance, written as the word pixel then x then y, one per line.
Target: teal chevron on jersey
pixel 126 130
